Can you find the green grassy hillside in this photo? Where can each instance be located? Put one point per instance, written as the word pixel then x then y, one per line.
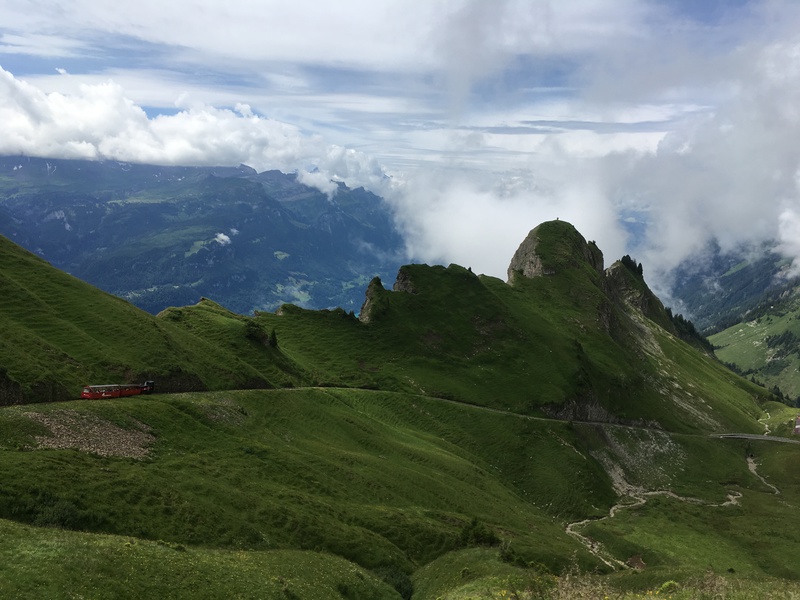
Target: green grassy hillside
pixel 767 347
pixel 198 484
pixel 573 344
pixel 749 305
pixel 60 334
pixel 463 438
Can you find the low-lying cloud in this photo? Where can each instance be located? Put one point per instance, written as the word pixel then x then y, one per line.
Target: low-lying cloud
pixel 493 115
pixel 222 239
pixel 729 176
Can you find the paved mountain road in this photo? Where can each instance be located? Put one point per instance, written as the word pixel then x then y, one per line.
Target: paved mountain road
pixel 753 436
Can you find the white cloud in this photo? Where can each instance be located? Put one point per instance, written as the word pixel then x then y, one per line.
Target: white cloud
pixel 222 239
pixel 789 237
pixel 319 180
pixel 360 32
pixel 99 122
pixel 455 214
pixel 490 116
pixel 41 45
pixel 468 36
pixel 731 175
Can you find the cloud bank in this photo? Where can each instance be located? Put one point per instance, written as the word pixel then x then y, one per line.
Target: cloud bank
pixel 730 175
pixel 654 127
pixel 99 122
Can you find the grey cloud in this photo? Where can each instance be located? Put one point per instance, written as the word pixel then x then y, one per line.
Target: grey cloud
pixel 730 176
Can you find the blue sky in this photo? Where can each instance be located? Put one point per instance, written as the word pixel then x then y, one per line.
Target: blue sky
pixel 476 119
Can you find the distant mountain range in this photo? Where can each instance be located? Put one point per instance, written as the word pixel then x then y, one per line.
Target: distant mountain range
pixel 725 288
pixel 750 309
pixel 167 236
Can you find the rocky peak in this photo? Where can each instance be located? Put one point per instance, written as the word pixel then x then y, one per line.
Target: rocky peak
pixel 552 247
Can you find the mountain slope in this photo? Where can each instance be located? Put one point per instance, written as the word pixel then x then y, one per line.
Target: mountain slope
pixel 748 305
pixel 463 436
pixel 572 340
pixel 766 346
pixel 573 343
pixel 397 484
pixel 166 236
pixel 60 333
pixel 721 291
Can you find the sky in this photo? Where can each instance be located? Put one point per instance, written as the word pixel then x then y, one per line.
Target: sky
pixel 656 127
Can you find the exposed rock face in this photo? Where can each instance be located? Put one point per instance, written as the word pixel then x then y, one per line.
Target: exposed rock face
pixel 594 255
pixel 526 261
pixel 566 247
pixel 403 282
pixel 589 410
pixel 619 284
pixel 374 302
pixel 622 285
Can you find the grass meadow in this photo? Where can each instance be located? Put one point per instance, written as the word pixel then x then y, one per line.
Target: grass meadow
pixel 255 493
pixel 474 439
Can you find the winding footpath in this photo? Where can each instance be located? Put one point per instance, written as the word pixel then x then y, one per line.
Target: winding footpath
pixel 634 497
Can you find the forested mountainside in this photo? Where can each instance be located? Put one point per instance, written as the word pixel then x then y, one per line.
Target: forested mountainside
pixel 167 236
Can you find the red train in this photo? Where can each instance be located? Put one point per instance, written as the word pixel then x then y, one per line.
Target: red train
pixel 96 392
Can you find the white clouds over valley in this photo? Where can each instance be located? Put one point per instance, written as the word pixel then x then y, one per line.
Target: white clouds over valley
pixel 97 121
pixel 477 119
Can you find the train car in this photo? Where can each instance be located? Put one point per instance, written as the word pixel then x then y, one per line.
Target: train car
pixel 114 390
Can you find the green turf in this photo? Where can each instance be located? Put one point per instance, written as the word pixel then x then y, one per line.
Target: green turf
pixel 766 348
pixel 60 334
pixel 53 563
pixel 460 421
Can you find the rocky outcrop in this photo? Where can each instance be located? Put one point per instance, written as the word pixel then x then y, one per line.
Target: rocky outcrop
pixel 403 283
pixel 375 302
pixel 552 247
pixel 526 261
pixel 629 289
pixel 589 410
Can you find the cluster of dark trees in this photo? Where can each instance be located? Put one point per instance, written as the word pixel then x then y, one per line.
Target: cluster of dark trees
pixel 786 343
pixel 687 330
pixel 632 266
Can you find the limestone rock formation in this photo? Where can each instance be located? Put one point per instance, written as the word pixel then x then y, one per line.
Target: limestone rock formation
pixel 375 303
pixel 551 247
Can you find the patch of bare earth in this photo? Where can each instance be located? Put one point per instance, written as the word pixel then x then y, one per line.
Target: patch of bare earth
pixel 224 411
pixel 73 430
